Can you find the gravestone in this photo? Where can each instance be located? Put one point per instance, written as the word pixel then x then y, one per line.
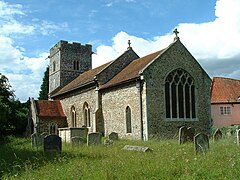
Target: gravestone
pixel 52 143
pixel 83 132
pixel 190 134
pixel 42 136
pixel 182 135
pixel 113 136
pixel 94 139
pixel 108 142
pixel 217 135
pixel 238 137
pixel 201 143
pixel 137 148
pixel 78 140
pixel 36 140
pixel 186 134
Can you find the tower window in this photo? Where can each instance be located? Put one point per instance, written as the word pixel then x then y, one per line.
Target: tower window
pixel 75 65
pixel 180 95
pixel 54 66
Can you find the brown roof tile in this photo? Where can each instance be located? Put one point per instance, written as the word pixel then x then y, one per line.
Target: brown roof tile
pixel 82 79
pixel 47 108
pixel 132 70
pixel 225 90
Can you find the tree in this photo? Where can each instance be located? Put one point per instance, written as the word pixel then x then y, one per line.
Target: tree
pixel 13 113
pixel 43 94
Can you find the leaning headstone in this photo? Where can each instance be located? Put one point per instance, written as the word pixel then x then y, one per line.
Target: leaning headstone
pixel 238 137
pixel 190 134
pixel 94 139
pixel 113 136
pixel 201 143
pixel 36 140
pixel 217 135
pixel 182 135
pixel 78 140
pixel 137 148
pixel 52 143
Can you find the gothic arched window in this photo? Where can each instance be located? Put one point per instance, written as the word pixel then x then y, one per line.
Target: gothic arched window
pixel 73 117
pixel 86 115
pixel 128 120
pixel 180 95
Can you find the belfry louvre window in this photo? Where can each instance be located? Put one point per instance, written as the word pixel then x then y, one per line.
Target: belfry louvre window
pixel 180 95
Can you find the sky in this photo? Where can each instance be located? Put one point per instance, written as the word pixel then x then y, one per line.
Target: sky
pixel 210 30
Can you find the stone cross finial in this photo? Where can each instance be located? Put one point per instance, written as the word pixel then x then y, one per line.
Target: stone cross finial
pixel 129 44
pixel 176 34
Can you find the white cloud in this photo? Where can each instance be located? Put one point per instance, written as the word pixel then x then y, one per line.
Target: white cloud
pixel 214 44
pixel 24 73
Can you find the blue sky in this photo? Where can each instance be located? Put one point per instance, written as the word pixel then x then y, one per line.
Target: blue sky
pixel 28 29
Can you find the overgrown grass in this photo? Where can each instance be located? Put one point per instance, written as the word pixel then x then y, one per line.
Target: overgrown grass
pixel 169 160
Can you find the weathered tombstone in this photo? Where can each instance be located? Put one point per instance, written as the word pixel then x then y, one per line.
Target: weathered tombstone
pixel 108 142
pixel 238 137
pixel 113 136
pixel 201 143
pixel 36 140
pixel 137 148
pixel 182 135
pixel 94 139
pixel 217 135
pixel 78 140
pixel 83 132
pixel 190 134
pixel 42 136
pixel 52 143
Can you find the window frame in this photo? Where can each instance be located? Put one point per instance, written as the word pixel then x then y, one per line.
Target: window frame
pixel 225 110
pixel 128 113
pixel 176 109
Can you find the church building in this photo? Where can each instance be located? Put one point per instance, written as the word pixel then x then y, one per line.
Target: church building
pixel 136 97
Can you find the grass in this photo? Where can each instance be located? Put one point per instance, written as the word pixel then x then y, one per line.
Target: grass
pixel 169 160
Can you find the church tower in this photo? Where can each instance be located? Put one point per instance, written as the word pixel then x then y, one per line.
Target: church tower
pixel 67 61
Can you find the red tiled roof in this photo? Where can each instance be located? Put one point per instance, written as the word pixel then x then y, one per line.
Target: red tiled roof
pixel 132 70
pixel 47 108
pixel 225 90
pixel 82 79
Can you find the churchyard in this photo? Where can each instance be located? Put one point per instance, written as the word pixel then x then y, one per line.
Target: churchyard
pixel 122 159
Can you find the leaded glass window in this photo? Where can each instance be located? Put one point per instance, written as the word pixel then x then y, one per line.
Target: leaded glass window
pixel 180 95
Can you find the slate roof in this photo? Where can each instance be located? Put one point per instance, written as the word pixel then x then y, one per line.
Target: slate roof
pixel 225 90
pixel 132 70
pixel 47 108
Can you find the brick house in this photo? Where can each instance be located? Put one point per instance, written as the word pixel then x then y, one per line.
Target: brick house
pixel 138 98
pixel 225 102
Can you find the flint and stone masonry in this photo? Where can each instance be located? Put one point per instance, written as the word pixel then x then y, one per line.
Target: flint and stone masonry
pixel 134 108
